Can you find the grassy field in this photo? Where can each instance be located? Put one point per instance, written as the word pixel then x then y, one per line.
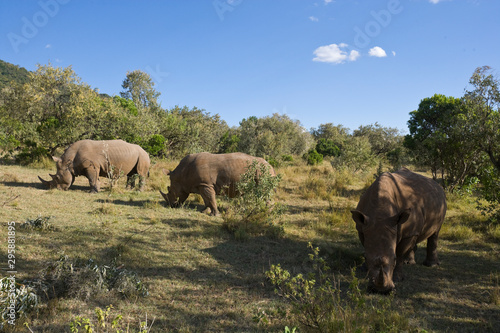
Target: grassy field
pixel 201 279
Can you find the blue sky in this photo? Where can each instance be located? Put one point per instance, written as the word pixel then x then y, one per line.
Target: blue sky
pixel 318 61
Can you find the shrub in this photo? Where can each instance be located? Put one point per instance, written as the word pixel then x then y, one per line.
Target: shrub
pixel 104 321
pixel 39 223
pixel 155 146
pixel 82 280
pixel 327 147
pixel 318 302
pixel 490 191
pixel 253 212
pixel 313 157
pixel 31 153
pixel 25 298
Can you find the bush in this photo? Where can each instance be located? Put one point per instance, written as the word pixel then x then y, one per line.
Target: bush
pixel 318 303
pixel 313 157
pixel 26 300
pixel 490 191
pixel 155 146
pixel 106 320
pixel 39 223
pixel 253 213
pixel 30 153
pixel 327 147
pixel 83 280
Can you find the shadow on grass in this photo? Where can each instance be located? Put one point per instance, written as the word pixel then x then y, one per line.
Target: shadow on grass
pixel 130 203
pixel 455 292
pixel 40 186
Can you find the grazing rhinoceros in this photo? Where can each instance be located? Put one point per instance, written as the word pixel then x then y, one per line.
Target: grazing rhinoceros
pixel 395 213
pixel 208 175
pixel 99 158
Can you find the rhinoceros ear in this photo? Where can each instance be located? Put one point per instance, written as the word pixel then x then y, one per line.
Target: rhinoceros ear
pixel 358 217
pixel 167 172
pixel 56 159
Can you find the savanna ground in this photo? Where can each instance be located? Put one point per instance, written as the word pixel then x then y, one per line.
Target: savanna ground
pixel 202 279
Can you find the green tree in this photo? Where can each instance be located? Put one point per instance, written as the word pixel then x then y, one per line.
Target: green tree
pixel 356 155
pixel 481 116
pixel 139 87
pixel 230 141
pixel 438 141
pixel 338 134
pixel 382 139
pixel 273 136
pixel 191 131
pixel 480 123
pixel 52 110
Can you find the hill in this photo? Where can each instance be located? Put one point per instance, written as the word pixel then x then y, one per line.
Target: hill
pixel 10 72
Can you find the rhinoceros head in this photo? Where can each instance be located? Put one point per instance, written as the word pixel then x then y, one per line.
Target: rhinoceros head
pixel 380 238
pixel 63 178
pixel 171 198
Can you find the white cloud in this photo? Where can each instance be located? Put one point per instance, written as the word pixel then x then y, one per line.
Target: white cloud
pixel 335 54
pixel 394 53
pixel 48 46
pixel 313 18
pixel 377 52
pixel 354 55
pixel 328 1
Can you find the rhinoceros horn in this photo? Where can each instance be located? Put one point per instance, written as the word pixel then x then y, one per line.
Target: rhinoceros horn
pixel 164 195
pixel 44 182
pixel 47 183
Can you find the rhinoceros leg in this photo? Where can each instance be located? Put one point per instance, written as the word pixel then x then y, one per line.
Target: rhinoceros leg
pixel 93 177
pixel 432 257
pixel 410 257
pixel 131 181
pixel 404 250
pixel 142 182
pixel 208 194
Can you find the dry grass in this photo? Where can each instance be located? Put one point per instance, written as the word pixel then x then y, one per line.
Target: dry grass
pixel 201 279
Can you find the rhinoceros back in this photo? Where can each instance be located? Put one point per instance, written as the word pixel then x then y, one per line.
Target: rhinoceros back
pixel 394 192
pixel 216 170
pixel 121 155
